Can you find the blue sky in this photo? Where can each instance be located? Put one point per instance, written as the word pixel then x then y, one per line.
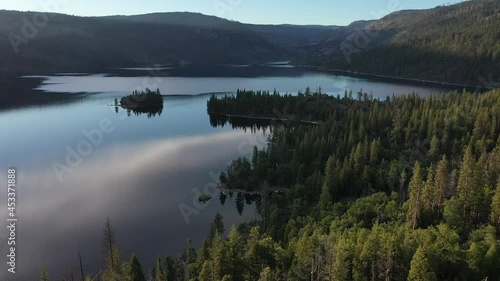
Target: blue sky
pixel 326 12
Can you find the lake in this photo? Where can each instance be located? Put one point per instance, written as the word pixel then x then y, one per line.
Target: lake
pixel 79 161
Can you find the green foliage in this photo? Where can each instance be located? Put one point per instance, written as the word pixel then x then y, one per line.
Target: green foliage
pixel 342 224
pixel 420 268
pixel 415 201
pixel 44 274
pixel 135 271
pixel 145 98
pixel 351 206
pixel 216 228
pixel 453 43
pixel 204 198
pixel 159 271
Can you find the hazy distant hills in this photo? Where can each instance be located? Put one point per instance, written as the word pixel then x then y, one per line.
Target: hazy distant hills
pixel 293 40
pixel 68 42
pixel 458 43
pixel 78 43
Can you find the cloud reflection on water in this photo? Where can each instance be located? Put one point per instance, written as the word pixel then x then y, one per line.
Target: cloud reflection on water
pixel 139 186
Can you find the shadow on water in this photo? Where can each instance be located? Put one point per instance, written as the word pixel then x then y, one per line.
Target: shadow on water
pixel 18 93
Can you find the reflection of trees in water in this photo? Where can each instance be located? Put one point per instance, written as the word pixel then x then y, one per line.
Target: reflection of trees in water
pixel 262 200
pixel 242 199
pixel 150 111
pixel 242 123
pixel 240 203
pixel 222 198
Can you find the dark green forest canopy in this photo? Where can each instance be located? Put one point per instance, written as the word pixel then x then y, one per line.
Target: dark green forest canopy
pixel 146 98
pixel 455 43
pixel 364 137
pixel 402 189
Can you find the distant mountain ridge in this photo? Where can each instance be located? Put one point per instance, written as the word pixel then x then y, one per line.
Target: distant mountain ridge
pixel 71 43
pixel 457 43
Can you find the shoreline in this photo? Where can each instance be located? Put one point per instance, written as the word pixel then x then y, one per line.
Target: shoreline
pixel 263 118
pixel 132 107
pixel 395 78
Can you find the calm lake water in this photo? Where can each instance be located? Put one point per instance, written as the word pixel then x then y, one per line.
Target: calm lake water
pixel 137 170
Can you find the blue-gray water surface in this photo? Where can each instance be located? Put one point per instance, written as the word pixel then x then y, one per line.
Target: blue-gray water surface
pixel 80 162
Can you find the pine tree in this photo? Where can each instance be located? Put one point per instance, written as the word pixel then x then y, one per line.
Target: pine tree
pixel 135 270
pixel 202 256
pixel 492 260
pixel 359 158
pixel 159 270
pixel 441 183
pixel 342 264
pixel 235 255
pixel 110 248
pixel 265 275
pixel 428 206
pixel 328 183
pixel 495 208
pixel 206 272
pixel 252 258
pixel 434 149
pixel 220 258
pixel 44 274
pixel 188 261
pixel 415 196
pixel 468 190
pixel 216 227
pixel 420 269
pixel 374 152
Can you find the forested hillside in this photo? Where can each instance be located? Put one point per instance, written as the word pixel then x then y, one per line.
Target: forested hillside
pixel 402 189
pixel 69 43
pixel 458 43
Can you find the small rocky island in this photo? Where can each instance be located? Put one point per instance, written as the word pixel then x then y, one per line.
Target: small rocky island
pixel 141 99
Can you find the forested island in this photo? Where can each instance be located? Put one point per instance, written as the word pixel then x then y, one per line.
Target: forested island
pixel 405 188
pixel 137 99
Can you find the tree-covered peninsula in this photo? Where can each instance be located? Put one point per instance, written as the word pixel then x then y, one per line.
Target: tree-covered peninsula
pixel 405 188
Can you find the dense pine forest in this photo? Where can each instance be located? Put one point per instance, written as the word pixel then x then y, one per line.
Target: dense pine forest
pixel 455 43
pixel 405 188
